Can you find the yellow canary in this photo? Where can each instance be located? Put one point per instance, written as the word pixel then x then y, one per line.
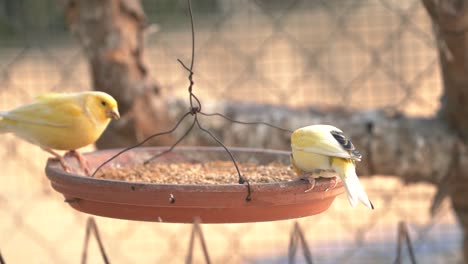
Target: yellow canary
pixel 62 121
pixel 324 148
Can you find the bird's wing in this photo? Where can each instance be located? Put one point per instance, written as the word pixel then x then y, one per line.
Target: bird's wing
pixel 320 142
pixel 346 144
pixel 47 112
pixel 50 97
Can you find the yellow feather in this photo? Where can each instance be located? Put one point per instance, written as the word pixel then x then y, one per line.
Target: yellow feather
pixel 318 139
pixel 314 147
pixel 303 138
pixel 309 162
pixel 49 96
pixel 61 121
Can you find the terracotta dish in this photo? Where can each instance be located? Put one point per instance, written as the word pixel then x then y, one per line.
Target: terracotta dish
pixel 178 203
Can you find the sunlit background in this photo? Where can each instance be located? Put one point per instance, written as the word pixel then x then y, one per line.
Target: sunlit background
pixel 360 54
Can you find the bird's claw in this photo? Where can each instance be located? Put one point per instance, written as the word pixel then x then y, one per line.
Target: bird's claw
pixel 335 182
pixel 64 164
pixel 308 177
pixel 81 161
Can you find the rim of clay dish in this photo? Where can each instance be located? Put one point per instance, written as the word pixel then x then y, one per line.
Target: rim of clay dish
pixel 182 203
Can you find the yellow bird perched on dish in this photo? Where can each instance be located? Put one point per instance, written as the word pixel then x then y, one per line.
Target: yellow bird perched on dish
pixel 62 121
pixel 322 148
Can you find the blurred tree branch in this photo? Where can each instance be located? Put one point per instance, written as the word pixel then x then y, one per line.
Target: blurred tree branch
pixel 111 34
pixel 432 150
pixel 450 21
pixel 415 149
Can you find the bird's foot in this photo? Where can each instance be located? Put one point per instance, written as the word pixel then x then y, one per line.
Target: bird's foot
pixel 308 177
pixel 64 164
pixel 333 181
pixel 81 161
pixel 62 161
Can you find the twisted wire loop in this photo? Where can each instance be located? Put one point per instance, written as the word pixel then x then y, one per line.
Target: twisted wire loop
pixel 194 110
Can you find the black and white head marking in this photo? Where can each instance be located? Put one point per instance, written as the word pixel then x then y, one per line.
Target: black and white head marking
pixel 346 144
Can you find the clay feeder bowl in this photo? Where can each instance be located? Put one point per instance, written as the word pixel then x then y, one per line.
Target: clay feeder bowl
pixel 182 203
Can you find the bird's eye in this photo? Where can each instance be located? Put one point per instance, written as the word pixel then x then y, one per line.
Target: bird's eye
pixel 103 103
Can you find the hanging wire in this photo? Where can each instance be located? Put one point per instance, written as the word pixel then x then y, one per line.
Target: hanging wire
pixel 242 180
pixel 195 109
pixel 140 144
pixel 247 123
pixel 91 226
pixel 173 145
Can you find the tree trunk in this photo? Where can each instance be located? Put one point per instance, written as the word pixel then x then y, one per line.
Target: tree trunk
pixel 111 35
pixel 450 20
pixel 415 149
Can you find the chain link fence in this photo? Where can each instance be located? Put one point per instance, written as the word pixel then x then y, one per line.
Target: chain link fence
pixel 357 54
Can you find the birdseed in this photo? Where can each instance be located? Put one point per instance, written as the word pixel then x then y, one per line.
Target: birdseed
pixel 213 172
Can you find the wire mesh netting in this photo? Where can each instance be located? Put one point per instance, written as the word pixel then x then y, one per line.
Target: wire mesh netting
pixel 355 54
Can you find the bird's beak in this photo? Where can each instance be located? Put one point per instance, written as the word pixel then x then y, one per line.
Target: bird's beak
pixel 114 114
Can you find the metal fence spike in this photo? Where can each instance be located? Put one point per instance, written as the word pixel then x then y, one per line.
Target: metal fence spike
pixel 403 236
pixel 197 232
pixel 2 261
pixel 91 226
pixel 297 236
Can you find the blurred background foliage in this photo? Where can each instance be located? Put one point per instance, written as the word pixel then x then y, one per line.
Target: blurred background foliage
pixel 365 54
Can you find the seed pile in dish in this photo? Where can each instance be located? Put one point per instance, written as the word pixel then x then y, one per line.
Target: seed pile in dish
pixel 213 172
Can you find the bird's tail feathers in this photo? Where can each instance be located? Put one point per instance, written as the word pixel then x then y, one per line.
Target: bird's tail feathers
pixel 354 188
